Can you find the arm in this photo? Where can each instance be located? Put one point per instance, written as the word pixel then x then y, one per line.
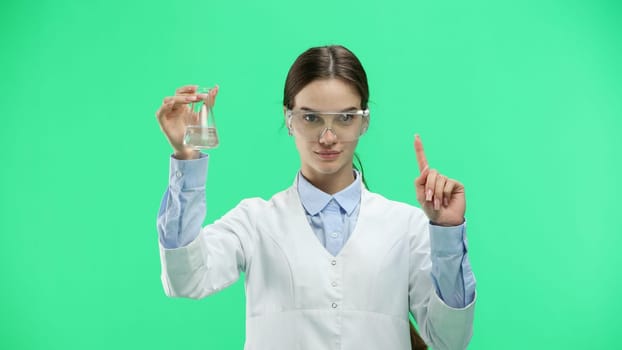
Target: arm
pixel 183 207
pixel 451 270
pixel 442 326
pixel 182 210
pixel 437 258
pixel 198 262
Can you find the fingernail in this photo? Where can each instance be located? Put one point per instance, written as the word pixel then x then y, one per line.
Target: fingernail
pixel 437 204
pixel 446 201
pixel 190 98
pixel 428 195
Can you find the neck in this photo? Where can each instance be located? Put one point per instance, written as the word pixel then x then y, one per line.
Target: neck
pixel 330 183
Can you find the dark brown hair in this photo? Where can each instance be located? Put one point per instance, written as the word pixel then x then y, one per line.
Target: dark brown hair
pixel 416 342
pixel 325 62
pixel 334 61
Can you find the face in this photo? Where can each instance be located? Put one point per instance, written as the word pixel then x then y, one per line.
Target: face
pixel 327 155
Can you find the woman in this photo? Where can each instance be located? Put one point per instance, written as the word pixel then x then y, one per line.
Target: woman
pixel 328 264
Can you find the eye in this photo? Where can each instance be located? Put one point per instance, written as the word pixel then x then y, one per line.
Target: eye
pixel 310 117
pixel 346 117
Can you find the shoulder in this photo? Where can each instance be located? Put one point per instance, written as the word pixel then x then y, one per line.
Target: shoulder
pixel 258 204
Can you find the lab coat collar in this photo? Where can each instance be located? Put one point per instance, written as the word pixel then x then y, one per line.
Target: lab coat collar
pixel 314 200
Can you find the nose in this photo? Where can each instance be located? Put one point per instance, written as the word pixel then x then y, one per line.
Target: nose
pixel 328 137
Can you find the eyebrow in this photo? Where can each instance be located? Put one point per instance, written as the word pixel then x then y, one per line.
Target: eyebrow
pixel 343 110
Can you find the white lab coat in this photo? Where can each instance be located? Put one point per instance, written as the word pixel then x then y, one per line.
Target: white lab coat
pixel 298 296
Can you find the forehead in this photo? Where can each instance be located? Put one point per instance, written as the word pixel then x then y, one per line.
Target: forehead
pixel 328 95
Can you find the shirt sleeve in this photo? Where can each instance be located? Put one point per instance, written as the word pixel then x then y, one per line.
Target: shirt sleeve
pixel 451 271
pixel 182 210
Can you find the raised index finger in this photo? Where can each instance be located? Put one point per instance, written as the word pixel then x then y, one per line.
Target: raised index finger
pixel 423 162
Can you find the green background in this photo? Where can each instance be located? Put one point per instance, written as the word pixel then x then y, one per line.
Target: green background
pixel 520 100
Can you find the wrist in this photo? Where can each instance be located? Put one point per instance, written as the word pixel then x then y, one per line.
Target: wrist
pixel 186 154
pixel 447 224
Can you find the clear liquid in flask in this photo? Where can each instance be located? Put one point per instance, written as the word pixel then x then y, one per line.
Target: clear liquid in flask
pixel 200 137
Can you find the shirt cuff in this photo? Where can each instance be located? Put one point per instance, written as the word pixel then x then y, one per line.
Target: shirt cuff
pixel 447 240
pixel 188 174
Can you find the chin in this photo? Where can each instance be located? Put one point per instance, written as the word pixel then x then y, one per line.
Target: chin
pixel 328 168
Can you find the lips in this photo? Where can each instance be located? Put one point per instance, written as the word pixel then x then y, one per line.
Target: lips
pixel 328 154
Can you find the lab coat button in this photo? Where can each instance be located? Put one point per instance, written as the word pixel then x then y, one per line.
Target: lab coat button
pixel 334 284
pixel 178 173
pixel 334 234
pixel 334 306
pixel 334 262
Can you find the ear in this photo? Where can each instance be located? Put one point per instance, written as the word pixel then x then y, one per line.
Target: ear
pixel 287 122
pixel 365 125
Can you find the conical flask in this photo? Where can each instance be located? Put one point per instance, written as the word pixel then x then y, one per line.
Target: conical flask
pixel 201 130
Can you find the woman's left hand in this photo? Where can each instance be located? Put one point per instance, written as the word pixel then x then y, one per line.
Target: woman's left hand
pixel 441 198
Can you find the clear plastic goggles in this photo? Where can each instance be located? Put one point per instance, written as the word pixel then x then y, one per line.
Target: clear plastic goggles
pixel 311 126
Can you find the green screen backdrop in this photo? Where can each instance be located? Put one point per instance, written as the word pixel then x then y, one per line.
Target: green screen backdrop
pixel 519 100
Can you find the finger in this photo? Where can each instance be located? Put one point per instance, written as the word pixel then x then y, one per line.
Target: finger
pixel 186 89
pixel 216 89
pixel 182 99
pixel 210 98
pixel 172 104
pixel 420 185
pixel 438 191
pixel 165 108
pixel 430 185
pixel 420 181
pixel 450 185
pixel 168 101
pixel 421 159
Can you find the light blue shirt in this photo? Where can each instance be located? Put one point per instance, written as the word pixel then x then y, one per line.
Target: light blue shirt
pixel 332 218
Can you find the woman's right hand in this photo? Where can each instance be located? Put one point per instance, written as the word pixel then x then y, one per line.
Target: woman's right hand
pixel 173 113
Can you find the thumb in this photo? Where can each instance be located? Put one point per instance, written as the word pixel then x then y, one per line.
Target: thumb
pixel 420 185
pixel 212 95
pixel 422 179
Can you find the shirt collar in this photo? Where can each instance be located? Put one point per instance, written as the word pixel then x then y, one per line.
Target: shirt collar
pixel 314 200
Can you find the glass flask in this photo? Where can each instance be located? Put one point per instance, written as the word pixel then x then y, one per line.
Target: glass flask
pixel 201 130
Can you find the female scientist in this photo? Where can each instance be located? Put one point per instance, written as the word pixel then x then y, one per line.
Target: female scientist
pixel 328 264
